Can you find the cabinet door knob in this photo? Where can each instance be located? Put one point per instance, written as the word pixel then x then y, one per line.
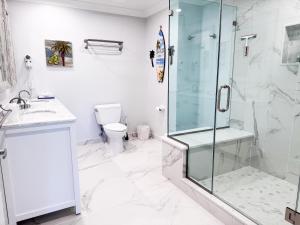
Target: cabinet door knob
pixel 3 153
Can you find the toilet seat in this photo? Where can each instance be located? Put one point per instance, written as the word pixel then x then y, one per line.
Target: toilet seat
pixel 117 127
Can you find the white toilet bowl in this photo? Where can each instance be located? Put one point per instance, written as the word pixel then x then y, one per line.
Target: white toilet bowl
pixel 115 133
pixel 109 116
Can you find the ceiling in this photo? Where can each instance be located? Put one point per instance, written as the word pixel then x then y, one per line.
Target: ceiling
pixel 137 8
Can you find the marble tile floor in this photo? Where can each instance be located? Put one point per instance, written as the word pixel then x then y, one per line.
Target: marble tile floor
pixel 260 195
pixel 127 189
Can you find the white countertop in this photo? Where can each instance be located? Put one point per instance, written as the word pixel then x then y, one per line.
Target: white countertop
pixel 41 112
pixel 206 137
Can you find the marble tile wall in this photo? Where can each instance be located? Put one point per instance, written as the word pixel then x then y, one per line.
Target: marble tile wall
pixel 194 34
pixel 187 70
pixel 228 156
pixel 264 99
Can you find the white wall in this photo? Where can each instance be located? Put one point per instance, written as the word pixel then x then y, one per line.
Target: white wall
pixel 94 78
pixel 156 93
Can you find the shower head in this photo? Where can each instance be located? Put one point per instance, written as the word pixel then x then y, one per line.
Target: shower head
pixel 190 37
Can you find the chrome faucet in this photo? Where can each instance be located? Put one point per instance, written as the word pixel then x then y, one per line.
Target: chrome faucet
pixel 20 100
pixel 20 92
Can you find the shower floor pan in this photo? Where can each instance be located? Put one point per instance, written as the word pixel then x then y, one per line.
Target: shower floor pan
pixel 257 194
pixel 249 191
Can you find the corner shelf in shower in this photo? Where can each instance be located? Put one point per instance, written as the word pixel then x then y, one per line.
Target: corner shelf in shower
pixel 291 45
pixel 205 138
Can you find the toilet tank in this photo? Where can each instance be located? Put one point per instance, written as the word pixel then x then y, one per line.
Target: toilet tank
pixel 108 113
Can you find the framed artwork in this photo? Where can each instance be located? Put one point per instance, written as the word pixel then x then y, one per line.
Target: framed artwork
pixel 59 53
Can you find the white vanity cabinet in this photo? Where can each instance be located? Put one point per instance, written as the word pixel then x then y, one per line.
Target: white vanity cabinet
pixel 40 169
pixel 3 213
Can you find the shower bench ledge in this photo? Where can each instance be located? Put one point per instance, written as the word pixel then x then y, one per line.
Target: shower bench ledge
pixel 204 138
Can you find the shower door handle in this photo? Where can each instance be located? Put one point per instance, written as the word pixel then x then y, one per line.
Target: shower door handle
pixel 219 98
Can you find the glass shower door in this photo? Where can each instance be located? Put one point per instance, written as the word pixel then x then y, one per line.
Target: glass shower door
pixel 226 139
pixel 194 35
pixel 257 157
pixel 292 213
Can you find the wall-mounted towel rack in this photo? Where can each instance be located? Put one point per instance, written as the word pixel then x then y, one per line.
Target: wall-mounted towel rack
pixel 104 43
pixel 4 114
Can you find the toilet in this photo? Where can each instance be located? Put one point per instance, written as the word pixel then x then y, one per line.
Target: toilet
pixel 109 116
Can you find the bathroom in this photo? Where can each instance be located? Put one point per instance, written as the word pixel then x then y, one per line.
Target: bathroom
pixel 160 112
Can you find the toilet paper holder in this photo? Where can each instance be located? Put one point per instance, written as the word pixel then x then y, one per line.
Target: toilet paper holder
pixel 160 108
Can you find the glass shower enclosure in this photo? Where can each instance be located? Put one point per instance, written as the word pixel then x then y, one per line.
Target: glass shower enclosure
pixel 234 100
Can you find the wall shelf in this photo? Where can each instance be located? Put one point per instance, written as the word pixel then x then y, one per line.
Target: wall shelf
pixel 291 45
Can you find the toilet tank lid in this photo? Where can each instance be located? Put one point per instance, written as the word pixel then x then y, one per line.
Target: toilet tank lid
pixel 107 106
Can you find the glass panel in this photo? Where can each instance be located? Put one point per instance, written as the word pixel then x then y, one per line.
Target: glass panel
pixel 297 206
pixel 194 33
pixel 256 163
pixel 173 65
pixel 293 166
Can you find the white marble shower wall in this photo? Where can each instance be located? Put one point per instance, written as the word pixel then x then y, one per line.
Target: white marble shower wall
pixel 187 108
pixel 194 33
pixel 209 60
pixel 207 64
pixel 265 100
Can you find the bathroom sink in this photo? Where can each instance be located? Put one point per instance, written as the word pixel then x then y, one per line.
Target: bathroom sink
pixel 40 114
pixel 40 107
pixel 39 100
pixel 39 111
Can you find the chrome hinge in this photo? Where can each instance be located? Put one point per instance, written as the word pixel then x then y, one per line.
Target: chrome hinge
pixel 3 153
pixel 171 51
pixel 171 12
pixel 292 216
